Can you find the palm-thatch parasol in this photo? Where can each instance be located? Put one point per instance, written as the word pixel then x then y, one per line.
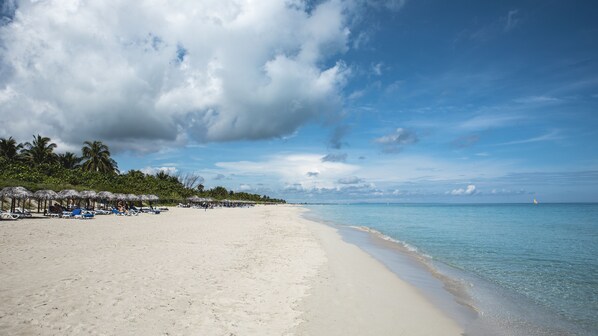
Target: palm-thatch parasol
pixel 44 195
pixel 131 198
pixel 143 198
pixel 152 198
pixel 105 195
pixel 69 195
pixel 120 197
pixel 88 195
pixel 15 193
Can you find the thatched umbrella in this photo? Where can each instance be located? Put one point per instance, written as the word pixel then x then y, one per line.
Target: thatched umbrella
pixel 143 198
pixel 44 195
pixel 120 197
pixel 152 198
pixel 131 198
pixel 88 195
pixel 105 196
pixel 15 193
pixel 69 195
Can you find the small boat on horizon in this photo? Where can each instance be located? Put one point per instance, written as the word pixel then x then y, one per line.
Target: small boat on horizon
pixel 535 201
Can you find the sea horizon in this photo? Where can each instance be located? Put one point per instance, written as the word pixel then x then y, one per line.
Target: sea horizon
pixel 433 203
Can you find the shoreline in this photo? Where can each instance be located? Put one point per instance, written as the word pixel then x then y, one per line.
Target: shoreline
pixel 479 306
pixel 377 301
pixel 257 271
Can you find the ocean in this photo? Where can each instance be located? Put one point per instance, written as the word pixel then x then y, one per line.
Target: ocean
pixel 518 269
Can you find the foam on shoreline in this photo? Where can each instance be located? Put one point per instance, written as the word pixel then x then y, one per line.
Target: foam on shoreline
pixel 480 307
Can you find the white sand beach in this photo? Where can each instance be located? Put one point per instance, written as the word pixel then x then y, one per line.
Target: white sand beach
pixel 248 271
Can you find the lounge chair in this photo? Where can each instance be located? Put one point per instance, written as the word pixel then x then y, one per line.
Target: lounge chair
pixel 8 215
pixel 23 213
pixel 151 210
pixel 80 214
pixel 117 213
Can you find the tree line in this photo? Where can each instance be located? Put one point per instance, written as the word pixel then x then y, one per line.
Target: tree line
pixel 35 165
pixel 95 156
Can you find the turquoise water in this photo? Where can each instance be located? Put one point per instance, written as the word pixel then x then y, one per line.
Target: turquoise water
pixel 531 270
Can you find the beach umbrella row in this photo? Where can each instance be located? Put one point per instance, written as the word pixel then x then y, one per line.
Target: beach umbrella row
pixel 197 199
pixel 21 194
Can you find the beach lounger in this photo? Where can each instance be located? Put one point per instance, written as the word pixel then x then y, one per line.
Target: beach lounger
pixel 117 213
pixel 8 216
pixel 80 214
pixel 23 213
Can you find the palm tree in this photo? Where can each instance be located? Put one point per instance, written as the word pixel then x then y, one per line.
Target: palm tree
pixel 162 175
pixel 96 157
pixel 40 150
pixel 69 160
pixel 9 149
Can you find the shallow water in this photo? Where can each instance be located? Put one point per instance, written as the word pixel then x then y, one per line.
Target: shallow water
pixel 527 270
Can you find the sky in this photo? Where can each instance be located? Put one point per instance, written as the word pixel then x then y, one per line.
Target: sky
pixel 317 101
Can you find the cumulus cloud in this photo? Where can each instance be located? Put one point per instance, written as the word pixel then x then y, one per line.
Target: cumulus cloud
pixel 338 157
pixel 219 177
pixel 7 11
pixel 244 187
pixel 295 187
pixel 350 180
pixel 470 190
pixel 176 71
pixel 396 140
pixel 155 170
pixel 293 169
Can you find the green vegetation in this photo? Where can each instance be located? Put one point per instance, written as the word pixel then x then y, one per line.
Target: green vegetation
pixel 35 166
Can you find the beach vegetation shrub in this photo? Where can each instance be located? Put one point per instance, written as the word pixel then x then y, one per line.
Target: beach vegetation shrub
pixel 35 166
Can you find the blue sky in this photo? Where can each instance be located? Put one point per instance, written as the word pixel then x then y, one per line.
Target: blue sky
pixel 360 100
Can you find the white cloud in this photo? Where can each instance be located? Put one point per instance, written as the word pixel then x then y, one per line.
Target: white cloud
pixel 396 140
pixel 173 72
pixel 244 187
pixel 350 180
pixel 470 190
pixel 155 170
pixel 377 69
pixel 307 170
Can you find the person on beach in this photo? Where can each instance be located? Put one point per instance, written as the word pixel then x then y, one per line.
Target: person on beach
pixel 121 208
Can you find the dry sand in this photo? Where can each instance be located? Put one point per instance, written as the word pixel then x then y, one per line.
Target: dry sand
pixel 250 271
